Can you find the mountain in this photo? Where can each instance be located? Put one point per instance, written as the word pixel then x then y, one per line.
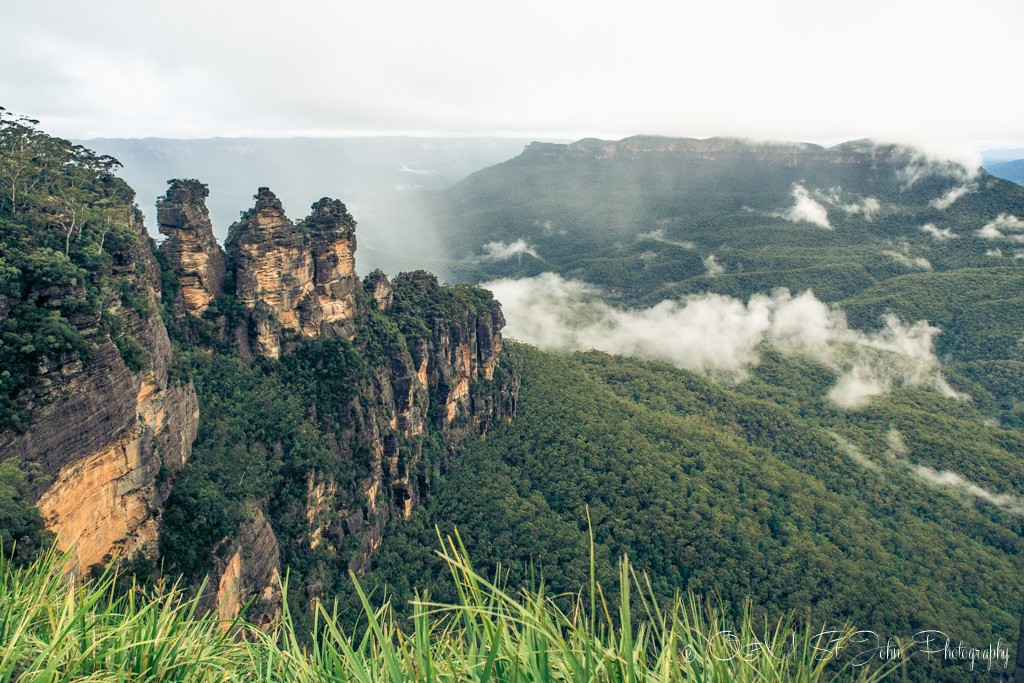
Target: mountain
pixel 738 381
pixel 759 488
pixel 380 177
pixel 786 214
pixel 1010 170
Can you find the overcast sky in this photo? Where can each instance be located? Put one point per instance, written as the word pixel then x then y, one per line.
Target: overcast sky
pixel 937 72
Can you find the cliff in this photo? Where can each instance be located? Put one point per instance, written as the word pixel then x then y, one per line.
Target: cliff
pixel 109 427
pixel 371 386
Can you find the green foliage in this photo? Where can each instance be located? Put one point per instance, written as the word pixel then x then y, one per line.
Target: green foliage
pixel 22 532
pixel 57 630
pixel 66 225
pixel 741 492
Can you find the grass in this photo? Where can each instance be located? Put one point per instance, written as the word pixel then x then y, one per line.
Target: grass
pixel 55 629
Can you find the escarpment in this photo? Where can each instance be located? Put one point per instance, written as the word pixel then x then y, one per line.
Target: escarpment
pixel 111 425
pixel 374 385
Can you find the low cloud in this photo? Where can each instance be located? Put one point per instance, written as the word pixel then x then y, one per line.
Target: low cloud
pixel 959 164
pixel 994 253
pixel 939 234
pixel 849 203
pixel 1002 226
pixel 806 209
pixel 854 453
pixel 720 335
pixel 659 236
pixel 901 254
pixel 417 171
pixel 712 267
pixel 898 452
pixel 951 480
pixel 500 251
pixel 952 194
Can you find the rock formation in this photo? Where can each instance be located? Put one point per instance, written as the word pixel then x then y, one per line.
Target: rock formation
pixel 191 248
pixel 248 574
pixel 109 438
pixel 428 369
pixel 294 279
pixel 377 286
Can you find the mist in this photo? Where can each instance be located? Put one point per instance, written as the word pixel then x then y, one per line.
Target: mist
pixel 806 209
pixel 1002 227
pixel 722 337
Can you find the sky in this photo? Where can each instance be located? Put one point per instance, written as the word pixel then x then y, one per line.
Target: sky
pixel 936 73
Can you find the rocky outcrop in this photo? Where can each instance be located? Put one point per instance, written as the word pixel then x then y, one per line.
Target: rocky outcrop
pixel 246 569
pixel 377 286
pixel 109 438
pixel 332 240
pixel 296 280
pixel 444 382
pixel 425 370
pixel 191 249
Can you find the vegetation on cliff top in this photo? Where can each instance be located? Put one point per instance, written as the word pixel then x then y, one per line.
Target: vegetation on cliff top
pixel 67 231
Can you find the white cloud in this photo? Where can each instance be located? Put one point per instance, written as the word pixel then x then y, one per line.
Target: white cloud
pixel 952 194
pixel 901 255
pixel 945 479
pixel 999 228
pixel 852 204
pixel 994 253
pixel 500 251
pixel 712 267
pixel 720 335
pixel 659 236
pixel 806 209
pixel 939 234
pixel 855 453
pixel 416 171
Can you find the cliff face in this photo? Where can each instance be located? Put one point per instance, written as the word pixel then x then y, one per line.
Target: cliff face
pixel 443 383
pixel 190 247
pixel 422 376
pixel 110 438
pixel 296 280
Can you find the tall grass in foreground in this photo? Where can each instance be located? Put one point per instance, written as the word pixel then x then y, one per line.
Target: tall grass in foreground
pixel 52 629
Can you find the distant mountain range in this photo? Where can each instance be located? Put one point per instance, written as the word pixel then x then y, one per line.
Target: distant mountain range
pixel 379 178
pixel 1005 163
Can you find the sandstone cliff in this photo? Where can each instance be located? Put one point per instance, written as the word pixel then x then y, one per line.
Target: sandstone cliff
pixel 110 437
pixel 420 375
pixel 190 247
pixel 296 280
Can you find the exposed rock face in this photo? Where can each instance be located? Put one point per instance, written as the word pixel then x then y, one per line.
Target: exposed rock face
pixel 712 149
pixel 429 388
pixel 191 248
pixel 377 285
pixel 437 379
pixel 247 568
pixel 333 241
pixel 110 439
pixel 295 279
